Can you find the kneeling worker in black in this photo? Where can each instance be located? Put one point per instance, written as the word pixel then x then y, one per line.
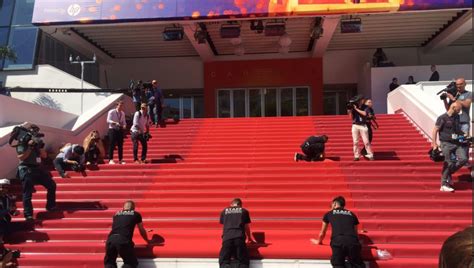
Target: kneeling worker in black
pixel 344 239
pixel 313 149
pixel 236 221
pixel 120 241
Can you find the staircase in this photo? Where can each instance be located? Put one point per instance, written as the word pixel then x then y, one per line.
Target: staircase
pixel 199 165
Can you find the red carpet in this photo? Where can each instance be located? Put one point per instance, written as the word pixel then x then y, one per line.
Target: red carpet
pixel 200 165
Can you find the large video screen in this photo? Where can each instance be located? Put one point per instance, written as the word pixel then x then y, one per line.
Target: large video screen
pixel 103 11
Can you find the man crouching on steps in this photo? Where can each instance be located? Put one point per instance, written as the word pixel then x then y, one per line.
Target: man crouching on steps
pixel 120 241
pixel 236 221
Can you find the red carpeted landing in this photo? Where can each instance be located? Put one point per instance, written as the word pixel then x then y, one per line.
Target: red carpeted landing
pixel 200 165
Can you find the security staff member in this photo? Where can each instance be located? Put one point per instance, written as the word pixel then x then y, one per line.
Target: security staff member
pixel 31 174
pixel 344 239
pixel 313 149
pixel 120 241
pixel 449 129
pixel 236 221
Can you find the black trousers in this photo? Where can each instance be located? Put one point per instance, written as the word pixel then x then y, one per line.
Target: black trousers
pixel 116 246
pixel 138 137
pixel 346 249
pixel 92 155
pixel 116 139
pixel 310 154
pixel 234 248
pixel 31 176
pixel 159 113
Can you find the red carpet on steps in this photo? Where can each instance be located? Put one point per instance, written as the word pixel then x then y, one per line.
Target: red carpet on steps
pixel 199 165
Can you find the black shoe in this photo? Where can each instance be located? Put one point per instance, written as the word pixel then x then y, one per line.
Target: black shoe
pixel 29 218
pixel 52 209
pixel 356 158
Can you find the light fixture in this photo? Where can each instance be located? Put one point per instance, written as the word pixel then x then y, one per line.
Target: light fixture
pixel 200 36
pixel 351 25
pixel 230 30
pixel 285 40
pixel 174 33
pixel 317 28
pixel 257 26
pixel 236 41
pixel 239 50
pixel 275 28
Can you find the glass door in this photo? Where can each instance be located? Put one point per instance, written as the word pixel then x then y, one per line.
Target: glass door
pixel 270 102
pixel 255 103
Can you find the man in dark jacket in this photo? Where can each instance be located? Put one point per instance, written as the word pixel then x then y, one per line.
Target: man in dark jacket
pixel 313 149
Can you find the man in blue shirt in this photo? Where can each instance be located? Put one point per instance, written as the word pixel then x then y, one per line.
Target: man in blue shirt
pixel 70 156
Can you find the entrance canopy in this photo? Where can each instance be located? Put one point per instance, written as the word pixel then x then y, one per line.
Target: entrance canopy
pixel 103 11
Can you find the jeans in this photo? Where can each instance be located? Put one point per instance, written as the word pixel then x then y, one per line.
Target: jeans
pixel 139 137
pixel 362 131
pixel 350 250
pixel 115 138
pixel 31 176
pixel 451 165
pixel 116 246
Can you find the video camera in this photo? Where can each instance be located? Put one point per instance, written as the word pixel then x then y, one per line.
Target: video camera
pixel 353 101
pixel 451 89
pixel 24 135
pixel 139 85
pixel 147 136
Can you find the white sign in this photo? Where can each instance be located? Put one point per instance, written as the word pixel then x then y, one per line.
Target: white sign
pixel 74 10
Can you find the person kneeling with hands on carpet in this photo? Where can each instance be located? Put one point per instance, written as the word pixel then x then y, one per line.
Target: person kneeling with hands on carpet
pixel 344 239
pixel 313 149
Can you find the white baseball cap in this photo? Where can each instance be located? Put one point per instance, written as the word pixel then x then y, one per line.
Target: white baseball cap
pixel 4 182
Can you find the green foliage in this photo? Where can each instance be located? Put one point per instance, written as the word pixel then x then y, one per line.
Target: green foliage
pixel 7 53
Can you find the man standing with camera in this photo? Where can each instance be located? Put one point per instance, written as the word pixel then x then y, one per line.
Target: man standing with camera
pixel 450 133
pixel 159 101
pixel 30 153
pixel 117 125
pixel 358 114
pixel 140 133
pixel 464 98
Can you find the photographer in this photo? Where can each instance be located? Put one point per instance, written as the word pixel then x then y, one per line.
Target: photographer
pixel 159 102
pixel 93 148
pixel 30 151
pixel 117 125
pixel 140 133
pixel 71 156
pixel 358 114
pixel 7 208
pixel 136 93
pixel 464 98
pixel 449 129
pixel 313 149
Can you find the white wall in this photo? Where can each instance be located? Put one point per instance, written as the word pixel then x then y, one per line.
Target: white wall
pixel 344 66
pixel 46 76
pixel 420 103
pixel 171 73
pixel 381 78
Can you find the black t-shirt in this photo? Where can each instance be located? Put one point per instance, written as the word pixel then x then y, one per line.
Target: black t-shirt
pixel 124 223
pixel 342 223
pixel 448 125
pixel 314 143
pixel 393 86
pixel 234 220
pixel 370 115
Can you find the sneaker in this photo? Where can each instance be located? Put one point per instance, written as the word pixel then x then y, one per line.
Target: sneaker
pixel 137 162
pixel 121 162
pixel 144 161
pixel 295 157
pixel 356 158
pixel 370 158
pixel 29 218
pixel 65 175
pixel 446 188
pixel 111 162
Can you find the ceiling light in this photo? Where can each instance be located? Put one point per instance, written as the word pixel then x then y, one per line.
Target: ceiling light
pixel 174 33
pixel 230 30
pixel 276 28
pixel 236 41
pixel 285 40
